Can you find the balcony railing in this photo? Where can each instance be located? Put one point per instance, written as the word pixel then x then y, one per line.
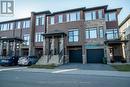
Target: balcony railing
pixel 112 36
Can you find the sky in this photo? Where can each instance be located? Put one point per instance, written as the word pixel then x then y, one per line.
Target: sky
pixel 23 8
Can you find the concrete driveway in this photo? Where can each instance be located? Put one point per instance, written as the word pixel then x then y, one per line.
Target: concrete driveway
pixel 87 66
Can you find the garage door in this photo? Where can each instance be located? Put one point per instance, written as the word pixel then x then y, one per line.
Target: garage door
pixel 95 55
pixel 75 56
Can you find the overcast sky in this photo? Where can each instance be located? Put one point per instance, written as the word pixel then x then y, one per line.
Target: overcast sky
pixel 24 7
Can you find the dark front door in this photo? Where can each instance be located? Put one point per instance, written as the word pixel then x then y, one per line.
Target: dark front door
pixel 95 55
pixel 75 56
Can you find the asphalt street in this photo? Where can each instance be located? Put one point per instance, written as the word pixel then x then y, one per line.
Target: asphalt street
pixel 24 78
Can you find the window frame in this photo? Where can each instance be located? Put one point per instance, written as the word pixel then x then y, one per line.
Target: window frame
pixel 88 33
pixel 73 36
pixel 101 28
pixel 92 15
pixel 52 20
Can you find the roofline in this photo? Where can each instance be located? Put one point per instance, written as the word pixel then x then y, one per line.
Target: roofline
pixel 27 18
pixel 70 10
pixel 21 19
pixel 115 9
pixel 42 12
pixel 127 18
pixel 97 7
pixel 76 9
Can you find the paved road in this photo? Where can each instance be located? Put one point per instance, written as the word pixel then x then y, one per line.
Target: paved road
pixel 22 77
pixel 87 66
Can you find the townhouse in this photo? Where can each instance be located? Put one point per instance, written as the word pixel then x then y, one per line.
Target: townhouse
pixel 125 34
pixel 81 35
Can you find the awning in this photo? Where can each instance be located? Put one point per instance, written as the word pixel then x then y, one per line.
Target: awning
pixel 57 34
pixel 12 39
pixel 115 42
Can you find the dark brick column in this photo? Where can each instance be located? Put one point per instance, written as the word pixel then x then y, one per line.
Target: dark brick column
pixel 32 35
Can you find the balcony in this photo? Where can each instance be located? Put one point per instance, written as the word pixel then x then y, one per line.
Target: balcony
pixel 114 38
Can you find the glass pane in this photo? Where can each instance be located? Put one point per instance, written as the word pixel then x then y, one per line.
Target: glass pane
pixel 76 38
pixel 72 16
pixel 51 20
pixel 76 32
pixel 93 33
pixel 42 20
pixel 101 35
pixel 70 39
pixel 112 16
pixel 109 34
pixel 37 21
pixel 70 33
pixel 18 25
pixel 60 18
pixel 11 26
pixel 88 16
pixel 115 34
pixel 94 15
pixel 68 19
pixel 78 15
pixel 100 14
pixel 87 34
pixel 27 24
pixel 106 17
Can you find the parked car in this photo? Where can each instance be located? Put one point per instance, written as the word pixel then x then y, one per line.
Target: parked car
pixel 8 60
pixel 27 60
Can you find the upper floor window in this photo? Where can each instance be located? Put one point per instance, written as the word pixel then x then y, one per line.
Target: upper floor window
pixel 4 27
pixel 18 24
pixel 110 16
pixel 52 20
pixel 112 34
pixel 100 14
pixel 91 15
pixel 60 18
pixel 39 37
pixel 26 24
pixel 11 25
pixel 74 16
pixel 74 35
pixel 40 20
pixel 26 38
pixel 91 33
pixel 101 32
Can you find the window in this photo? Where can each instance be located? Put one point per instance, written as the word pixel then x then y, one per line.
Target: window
pixel 18 24
pixel 110 16
pixel 40 20
pixel 26 38
pixel 91 33
pixel 60 18
pixel 52 20
pixel 100 15
pixel 74 16
pixel 11 25
pixel 68 17
pixel 101 33
pixel 90 15
pixel 26 24
pixel 5 27
pixel 39 37
pixel 106 17
pixel 73 35
pixel 112 34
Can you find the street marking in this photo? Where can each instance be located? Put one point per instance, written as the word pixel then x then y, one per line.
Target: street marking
pixel 12 69
pixel 66 70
